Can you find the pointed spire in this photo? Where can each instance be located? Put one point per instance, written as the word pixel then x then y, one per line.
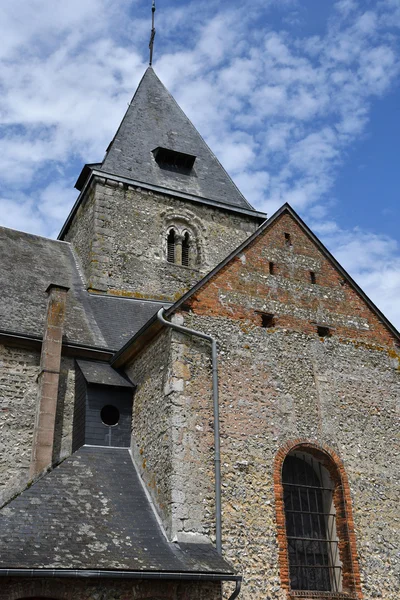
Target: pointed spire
pixel 154 126
pixel 153 32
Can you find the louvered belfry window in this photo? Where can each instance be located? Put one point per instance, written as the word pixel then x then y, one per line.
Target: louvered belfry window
pixel 310 525
pixel 185 250
pixel 171 246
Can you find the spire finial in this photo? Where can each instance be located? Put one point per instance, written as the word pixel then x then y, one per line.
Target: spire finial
pixel 153 32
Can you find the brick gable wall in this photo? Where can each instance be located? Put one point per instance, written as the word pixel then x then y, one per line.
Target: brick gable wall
pixel 245 286
pixel 283 383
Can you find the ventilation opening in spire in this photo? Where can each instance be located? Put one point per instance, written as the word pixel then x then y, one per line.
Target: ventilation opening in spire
pixel 174 161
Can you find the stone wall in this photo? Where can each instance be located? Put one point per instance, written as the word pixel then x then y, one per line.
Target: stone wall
pixel 120 237
pixel 18 397
pixel 283 383
pixel 65 410
pixel 151 424
pixel 106 589
pixel 18 400
pixel 171 436
pixel 81 232
pixel 193 506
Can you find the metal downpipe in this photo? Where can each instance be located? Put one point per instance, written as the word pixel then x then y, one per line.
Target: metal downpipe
pixel 237 590
pixel 217 453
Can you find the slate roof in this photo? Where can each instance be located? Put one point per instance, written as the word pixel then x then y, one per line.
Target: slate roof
pixel 117 317
pixel 91 512
pixel 154 120
pixel 102 374
pixel 29 263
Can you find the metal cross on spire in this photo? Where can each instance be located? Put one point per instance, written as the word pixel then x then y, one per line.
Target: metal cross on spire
pixel 153 32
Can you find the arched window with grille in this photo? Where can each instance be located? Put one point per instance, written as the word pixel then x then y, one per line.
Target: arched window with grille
pixel 171 246
pixel 181 247
pixel 310 525
pixel 315 524
pixel 185 249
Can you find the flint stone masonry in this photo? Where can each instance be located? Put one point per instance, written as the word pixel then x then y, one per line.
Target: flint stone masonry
pixel 106 589
pixel 151 428
pixel 277 386
pixel 167 443
pixel 127 226
pixel 81 231
pixel 18 393
pixel 18 400
pixel 280 385
pixel 65 409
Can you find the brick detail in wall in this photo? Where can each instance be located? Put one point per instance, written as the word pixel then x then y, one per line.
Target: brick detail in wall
pixel 49 376
pixel 245 287
pixel 344 519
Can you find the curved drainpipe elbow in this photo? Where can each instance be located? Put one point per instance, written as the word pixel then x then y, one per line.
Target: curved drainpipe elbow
pixel 237 590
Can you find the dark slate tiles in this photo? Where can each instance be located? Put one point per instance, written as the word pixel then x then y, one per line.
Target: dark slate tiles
pixel 120 318
pixel 29 263
pixel 91 512
pixel 154 120
pixel 102 373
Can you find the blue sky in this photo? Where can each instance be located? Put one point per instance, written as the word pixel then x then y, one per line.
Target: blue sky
pixel 299 99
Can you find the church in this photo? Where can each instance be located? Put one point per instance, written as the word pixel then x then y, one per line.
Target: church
pixel 197 401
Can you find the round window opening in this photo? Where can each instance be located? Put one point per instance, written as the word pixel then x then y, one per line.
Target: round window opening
pixel 109 415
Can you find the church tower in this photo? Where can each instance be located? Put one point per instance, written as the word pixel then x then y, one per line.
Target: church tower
pixel 160 211
pixel 191 397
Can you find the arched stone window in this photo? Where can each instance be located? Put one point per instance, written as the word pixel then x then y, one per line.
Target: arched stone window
pixel 181 247
pixel 186 249
pixel 315 526
pixel 171 240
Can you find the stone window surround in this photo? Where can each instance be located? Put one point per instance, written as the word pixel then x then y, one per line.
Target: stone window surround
pixel 344 522
pixel 180 231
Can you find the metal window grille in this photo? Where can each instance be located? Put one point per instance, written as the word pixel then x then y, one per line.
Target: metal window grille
pixel 171 246
pixel 185 250
pixel 310 526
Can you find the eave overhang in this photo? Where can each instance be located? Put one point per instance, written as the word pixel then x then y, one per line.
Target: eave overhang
pixel 84 175
pixel 73 349
pixel 119 574
pixel 103 175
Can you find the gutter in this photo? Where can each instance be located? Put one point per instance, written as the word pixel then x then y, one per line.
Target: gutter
pixel 217 454
pixel 102 574
pixel 69 348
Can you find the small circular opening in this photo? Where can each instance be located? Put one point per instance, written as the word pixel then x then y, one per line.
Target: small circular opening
pixel 109 415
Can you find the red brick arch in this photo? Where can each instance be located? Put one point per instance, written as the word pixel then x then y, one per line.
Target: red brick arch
pixel 344 517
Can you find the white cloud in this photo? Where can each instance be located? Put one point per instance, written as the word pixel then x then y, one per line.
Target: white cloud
pixel 373 260
pixel 279 111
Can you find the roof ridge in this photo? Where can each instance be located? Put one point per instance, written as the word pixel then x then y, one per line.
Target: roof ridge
pixel 35 235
